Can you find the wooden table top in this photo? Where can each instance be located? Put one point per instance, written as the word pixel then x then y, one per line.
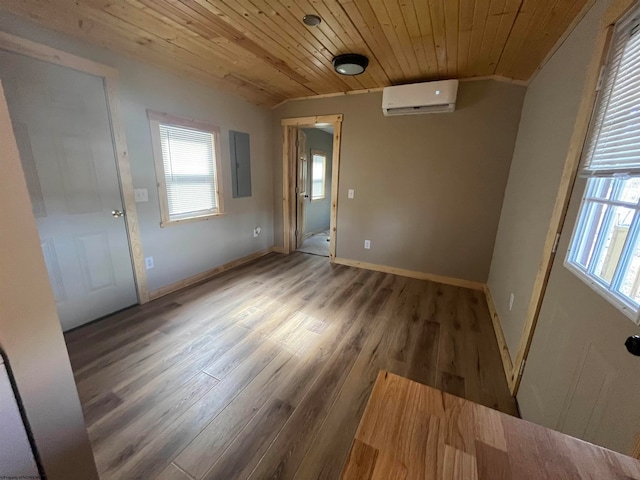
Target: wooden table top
pixel 412 431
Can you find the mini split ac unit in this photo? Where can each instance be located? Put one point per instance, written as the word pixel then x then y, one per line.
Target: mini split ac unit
pixel 417 98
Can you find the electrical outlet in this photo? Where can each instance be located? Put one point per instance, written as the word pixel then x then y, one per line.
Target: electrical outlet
pixel 141 195
pixel 256 231
pixel 367 244
pixel 148 262
pixel 351 193
pixel 511 298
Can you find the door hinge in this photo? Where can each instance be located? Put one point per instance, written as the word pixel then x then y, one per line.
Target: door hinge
pixel 555 243
pixel 297 190
pixel 600 78
pixel 521 371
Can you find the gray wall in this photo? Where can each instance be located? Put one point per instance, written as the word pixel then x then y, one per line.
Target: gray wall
pixel 30 331
pixel 182 250
pixel 548 116
pixel 318 212
pixel 428 188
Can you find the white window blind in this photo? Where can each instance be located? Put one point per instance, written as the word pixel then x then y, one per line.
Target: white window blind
pixel 613 144
pixel 188 157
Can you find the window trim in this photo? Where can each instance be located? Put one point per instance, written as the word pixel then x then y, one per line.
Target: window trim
pixel 157 118
pixel 320 153
pixel 610 65
pixel 608 293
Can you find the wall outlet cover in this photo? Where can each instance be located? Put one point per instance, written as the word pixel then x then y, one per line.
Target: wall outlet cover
pixel 367 244
pixel 141 195
pixel 351 193
pixel 148 261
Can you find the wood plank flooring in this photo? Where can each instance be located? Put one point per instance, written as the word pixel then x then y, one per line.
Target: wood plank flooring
pixel 412 431
pixel 264 371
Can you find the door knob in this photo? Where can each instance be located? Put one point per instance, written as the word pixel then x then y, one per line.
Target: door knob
pixel 117 213
pixel 633 345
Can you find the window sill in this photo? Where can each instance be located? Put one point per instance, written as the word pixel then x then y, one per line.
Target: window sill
pixel 209 216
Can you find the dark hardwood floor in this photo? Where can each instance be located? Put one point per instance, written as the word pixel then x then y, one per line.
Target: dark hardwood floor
pixel 264 371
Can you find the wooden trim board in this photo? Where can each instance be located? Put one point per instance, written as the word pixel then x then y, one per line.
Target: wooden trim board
pixel 155 120
pixel 614 12
pixel 507 364
pixel 431 277
pixel 201 277
pixel 109 75
pixel 496 78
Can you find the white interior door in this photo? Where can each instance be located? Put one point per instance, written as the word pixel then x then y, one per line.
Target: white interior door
pixel 62 126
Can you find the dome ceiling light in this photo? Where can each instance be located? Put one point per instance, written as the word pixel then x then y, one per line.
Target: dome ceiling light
pixel 311 20
pixel 350 64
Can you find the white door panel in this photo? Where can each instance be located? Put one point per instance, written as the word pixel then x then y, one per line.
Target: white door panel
pixel 63 130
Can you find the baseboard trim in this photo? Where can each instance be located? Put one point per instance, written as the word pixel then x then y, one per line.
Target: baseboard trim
pixel 507 364
pixel 457 282
pixel 278 249
pixel 187 282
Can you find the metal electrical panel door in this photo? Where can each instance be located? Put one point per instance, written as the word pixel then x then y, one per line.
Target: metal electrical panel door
pixel 240 164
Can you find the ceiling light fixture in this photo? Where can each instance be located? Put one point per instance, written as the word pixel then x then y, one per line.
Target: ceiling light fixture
pixel 311 20
pixel 350 64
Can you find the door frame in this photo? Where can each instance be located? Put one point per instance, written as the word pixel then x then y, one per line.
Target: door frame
pixel 615 11
pixel 289 181
pixel 109 75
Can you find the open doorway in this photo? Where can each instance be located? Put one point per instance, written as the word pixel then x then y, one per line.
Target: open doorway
pixel 315 150
pixel 311 158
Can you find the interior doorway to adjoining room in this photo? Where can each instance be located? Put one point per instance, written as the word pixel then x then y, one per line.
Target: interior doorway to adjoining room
pixel 311 159
pixel 315 150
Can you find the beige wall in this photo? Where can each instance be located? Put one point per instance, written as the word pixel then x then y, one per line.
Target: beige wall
pixel 30 332
pixel 183 250
pixel 428 188
pixel 318 212
pixel 550 107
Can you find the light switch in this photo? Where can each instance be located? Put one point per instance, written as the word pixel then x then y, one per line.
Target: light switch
pixel 141 195
pixel 351 193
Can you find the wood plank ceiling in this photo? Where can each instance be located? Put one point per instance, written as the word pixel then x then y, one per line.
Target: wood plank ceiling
pixel 261 49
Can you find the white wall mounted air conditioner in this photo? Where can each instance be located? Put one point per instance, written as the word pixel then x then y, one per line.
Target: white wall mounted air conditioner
pixel 418 98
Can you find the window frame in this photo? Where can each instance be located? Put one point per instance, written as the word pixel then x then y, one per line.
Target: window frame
pixel 610 292
pixel 592 197
pixel 323 154
pixel 155 120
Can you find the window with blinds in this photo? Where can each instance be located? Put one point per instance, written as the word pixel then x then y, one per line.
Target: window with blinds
pixel 186 168
pixel 605 247
pixel 613 145
pixel 318 174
